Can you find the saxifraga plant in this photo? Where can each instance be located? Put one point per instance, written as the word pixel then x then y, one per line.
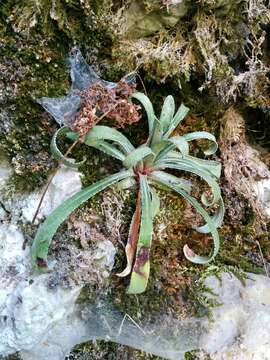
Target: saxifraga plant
pixel 144 169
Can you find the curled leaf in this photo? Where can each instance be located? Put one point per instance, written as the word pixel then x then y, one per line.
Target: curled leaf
pixel 57 154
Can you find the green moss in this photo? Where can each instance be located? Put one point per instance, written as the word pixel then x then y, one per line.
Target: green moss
pixel 102 350
pixel 15 356
pixel 196 355
pixel 36 38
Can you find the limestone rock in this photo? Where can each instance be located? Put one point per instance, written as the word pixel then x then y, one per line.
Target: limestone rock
pixel 240 329
pixel 29 306
pixel 139 22
pixel 229 335
pixel 65 183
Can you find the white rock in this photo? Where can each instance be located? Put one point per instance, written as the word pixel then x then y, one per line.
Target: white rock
pixel 5 172
pixel 104 254
pixel 65 183
pixel 239 329
pixel 262 191
pixel 29 310
pixel 241 326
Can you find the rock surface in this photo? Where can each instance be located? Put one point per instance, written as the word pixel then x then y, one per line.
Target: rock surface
pixel 228 336
pixel 29 307
pixel 241 326
pixel 147 23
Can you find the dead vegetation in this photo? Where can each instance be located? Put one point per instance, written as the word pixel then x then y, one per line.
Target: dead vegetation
pixel 222 43
pixel 243 168
pixel 99 100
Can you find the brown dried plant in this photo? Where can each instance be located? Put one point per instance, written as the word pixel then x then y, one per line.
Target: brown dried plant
pixel 114 102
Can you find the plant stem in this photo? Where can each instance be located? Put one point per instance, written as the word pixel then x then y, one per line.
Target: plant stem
pixel 50 181
pixel 59 164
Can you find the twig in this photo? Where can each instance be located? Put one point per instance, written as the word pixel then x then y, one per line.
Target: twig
pixel 59 164
pixel 144 88
pixel 50 181
pixel 263 260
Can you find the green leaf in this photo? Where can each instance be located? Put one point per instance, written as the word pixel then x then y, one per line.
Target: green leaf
pixel 108 149
pixel 144 100
pixel 181 144
pixel 141 268
pixel 178 117
pixel 167 113
pixel 48 228
pixel 169 145
pixel 57 154
pixel 199 135
pixel 139 279
pixel 155 203
pixel 126 183
pixel 212 166
pixel 100 132
pixel 189 254
pixel 217 218
pixel 136 156
pixel 186 165
pixel 173 180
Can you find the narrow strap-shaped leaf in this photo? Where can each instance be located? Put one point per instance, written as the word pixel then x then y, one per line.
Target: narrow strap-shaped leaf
pixel 146 220
pixel 167 113
pixel 108 149
pixel 189 254
pixel 199 135
pixel 137 155
pixel 155 203
pixel 101 132
pixel 173 180
pixel 185 165
pixel 180 143
pixel 48 228
pixel 178 117
pixel 57 154
pixel 164 151
pixel 144 100
pixel 217 219
pixel 101 145
pixel 126 183
pixel 157 134
pixel 141 268
pixel 174 142
pixel 212 166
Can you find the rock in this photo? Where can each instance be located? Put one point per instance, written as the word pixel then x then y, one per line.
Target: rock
pixel 262 191
pixel 229 335
pixel 65 183
pixel 146 22
pixel 29 306
pixel 5 172
pixel 244 311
